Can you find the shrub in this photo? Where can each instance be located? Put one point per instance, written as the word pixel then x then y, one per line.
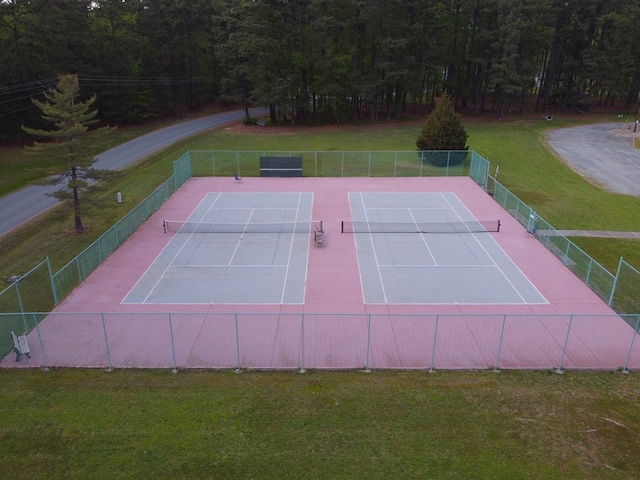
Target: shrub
pixel 443 131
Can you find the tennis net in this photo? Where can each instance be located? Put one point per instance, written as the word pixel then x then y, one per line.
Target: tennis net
pixel 474 226
pixel 182 226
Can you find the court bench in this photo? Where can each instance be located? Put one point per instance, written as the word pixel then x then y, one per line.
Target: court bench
pixel 318 236
pixel 20 345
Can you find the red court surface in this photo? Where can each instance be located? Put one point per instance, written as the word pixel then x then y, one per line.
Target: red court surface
pixel 334 328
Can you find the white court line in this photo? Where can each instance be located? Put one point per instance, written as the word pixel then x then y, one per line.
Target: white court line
pixel 286 273
pixel 394 265
pixel 493 260
pixel 355 241
pixel 306 262
pixel 375 255
pixel 235 250
pixel 178 253
pixel 226 266
pixel 424 240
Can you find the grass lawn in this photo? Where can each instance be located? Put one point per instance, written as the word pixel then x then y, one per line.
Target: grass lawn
pixel 339 425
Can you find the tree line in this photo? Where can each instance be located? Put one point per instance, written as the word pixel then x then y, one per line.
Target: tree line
pixel 319 60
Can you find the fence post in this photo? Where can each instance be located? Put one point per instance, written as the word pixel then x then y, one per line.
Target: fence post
pixel 625 369
pixel 369 163
pixel 564 349
pixel 504 322
pixel 238 162
pixel 44 355
pixel 237 343
pixel 173 347
pixel 615 282
pixel 395 163
pixel 446 174
pixel 213 162
pixel 421 161
pixel 302 370
pixel 586 280
pixel 17 287
pixel 433 349
pixel 366 363
pixel 53 283
pixel 106 342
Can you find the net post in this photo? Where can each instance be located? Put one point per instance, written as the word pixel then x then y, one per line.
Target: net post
pixel 498 226
pixel 342 226
pixel 164 226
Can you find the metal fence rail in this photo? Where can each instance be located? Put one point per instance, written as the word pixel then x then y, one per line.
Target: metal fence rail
pixel 328 341
pixel 346 163
pixel 620 291
pixel 40 289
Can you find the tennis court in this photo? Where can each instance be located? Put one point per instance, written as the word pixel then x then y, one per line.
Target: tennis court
pixel 223 289
pixel 428 248
pixel 234 248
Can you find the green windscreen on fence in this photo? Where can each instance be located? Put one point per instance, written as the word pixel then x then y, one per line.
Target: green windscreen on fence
pixel 344 163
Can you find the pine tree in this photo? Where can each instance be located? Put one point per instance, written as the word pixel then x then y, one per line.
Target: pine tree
pixel 443 132
pixel 69 141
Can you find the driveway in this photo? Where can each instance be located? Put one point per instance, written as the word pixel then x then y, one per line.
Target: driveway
pixel 602 153
pixel 18 207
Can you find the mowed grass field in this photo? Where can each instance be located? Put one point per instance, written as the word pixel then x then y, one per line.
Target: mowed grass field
pixel 319 425
pixel 324 425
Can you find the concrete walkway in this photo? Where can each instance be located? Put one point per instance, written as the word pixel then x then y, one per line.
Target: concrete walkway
pixel 599 234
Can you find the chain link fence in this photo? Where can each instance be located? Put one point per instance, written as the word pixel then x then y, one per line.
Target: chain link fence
pixel 40 289
pixel 327 341
pixel 343 163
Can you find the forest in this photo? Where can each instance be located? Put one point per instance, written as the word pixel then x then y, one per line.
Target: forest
pixel 319 61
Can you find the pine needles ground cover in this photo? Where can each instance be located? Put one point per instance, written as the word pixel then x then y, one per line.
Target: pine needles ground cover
pixel 341 425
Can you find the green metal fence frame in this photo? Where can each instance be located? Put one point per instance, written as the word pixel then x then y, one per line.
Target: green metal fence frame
pixel 617 290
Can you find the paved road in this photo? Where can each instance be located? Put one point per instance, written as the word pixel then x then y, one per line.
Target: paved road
pixel 603 153
pixel 33 200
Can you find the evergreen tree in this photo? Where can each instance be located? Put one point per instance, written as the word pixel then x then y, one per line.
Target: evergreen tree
pixel 69 141
pixel 443 131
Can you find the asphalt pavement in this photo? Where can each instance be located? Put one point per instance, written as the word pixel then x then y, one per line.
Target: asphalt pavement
pixel 19 207
pixel 602 153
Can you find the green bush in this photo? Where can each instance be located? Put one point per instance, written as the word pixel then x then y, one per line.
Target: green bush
pixel 442 132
